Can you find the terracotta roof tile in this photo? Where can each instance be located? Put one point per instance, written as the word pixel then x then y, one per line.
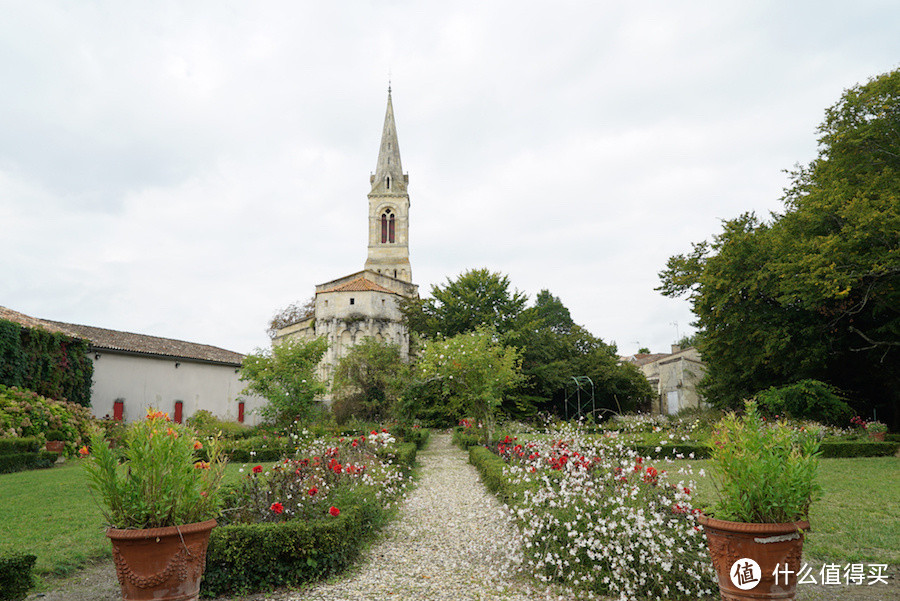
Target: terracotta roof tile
pixel 360 284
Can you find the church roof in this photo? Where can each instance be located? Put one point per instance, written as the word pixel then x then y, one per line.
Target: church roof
pixel 389 178
pixel 360 284
pixel 128 342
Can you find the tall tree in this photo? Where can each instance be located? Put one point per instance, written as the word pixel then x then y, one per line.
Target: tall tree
pixel 368 381
pixel 477 298
pixel 285 375
pixel 814 292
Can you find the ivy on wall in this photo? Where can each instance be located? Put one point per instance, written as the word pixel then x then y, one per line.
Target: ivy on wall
pixel 51 364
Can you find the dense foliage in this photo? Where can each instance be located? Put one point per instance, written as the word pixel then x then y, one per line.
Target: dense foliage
pixel 286 376
pixel 51 364
pixel 553 348
pixel 469 374
pixel 24 413
pixel 814 292
pixel 368 381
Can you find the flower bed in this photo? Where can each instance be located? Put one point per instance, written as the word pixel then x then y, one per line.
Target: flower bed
pixel 308 515
pixel 600 519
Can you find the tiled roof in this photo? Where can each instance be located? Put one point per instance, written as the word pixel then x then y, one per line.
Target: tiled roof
pixel 114 340
pixel 360 284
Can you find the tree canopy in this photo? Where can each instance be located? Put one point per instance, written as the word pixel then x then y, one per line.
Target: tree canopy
pixel 813 292
pixel 285 375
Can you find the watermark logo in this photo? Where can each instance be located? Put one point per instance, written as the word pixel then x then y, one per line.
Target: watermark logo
pixel 745 574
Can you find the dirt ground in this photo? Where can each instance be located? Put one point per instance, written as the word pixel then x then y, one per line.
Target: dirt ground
pixel 98 583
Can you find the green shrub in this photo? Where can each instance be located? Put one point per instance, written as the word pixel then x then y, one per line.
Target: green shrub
pixel 206 424
pixel 24 413
pixel 406 453
pixel 17 462
pixel 465 438
pixel 671 451
pixel 413 434
pixel 15 576
pixel 31 444
pixel 806 399
pixel 859 449
pixel 245 558
pixel 54 365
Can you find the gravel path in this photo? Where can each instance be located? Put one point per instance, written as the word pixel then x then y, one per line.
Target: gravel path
pixel 452 540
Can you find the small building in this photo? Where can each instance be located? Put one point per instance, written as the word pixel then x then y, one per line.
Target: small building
pixel 674 377
pixel 133 372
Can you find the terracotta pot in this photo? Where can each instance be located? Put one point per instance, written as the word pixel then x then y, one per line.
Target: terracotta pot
pixel 55 446
pixel 164 564
pixel 769 545
pixel 879 436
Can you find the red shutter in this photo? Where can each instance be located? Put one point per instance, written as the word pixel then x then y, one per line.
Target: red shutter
pixel 241 412
pixel 118 410
pixel 179 410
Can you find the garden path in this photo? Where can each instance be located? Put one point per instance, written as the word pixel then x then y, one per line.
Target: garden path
pixel 452 540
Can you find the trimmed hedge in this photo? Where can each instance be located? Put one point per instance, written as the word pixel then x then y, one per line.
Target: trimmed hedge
pixel 30 444
pixel 53 365
pixel 419 436
pixel 859 449
pixel 830 449
pixel 17 462
pixel 15 576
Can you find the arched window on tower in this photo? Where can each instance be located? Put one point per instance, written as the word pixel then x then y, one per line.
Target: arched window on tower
pixel 391 229
pixel 387 226
pixel 384 228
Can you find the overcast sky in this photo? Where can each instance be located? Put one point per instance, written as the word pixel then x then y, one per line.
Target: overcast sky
pixel 187 169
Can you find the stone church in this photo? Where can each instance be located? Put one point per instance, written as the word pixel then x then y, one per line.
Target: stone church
pixel 365 303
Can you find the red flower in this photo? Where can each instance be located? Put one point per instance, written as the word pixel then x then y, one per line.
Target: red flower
pixel 257 469
pixel 312 491
pixel 83 451
pixel 687 490
pixel 334 511
pixel 198 445
pixel 277 507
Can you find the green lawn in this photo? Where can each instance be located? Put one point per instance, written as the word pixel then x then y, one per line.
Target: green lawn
pixel 858 518
pixel 52 514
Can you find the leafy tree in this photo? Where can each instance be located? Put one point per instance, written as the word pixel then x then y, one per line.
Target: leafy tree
pixel 815 292
pixel 554 350
pixel 285 375
pixel 293 313
pixel 471 371
pixel 368 381
pixel 477 298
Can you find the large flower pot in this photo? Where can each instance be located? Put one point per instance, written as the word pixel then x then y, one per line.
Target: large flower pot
pixel 164 564
pixel 877 436
pixel 769 545
pixel 55 446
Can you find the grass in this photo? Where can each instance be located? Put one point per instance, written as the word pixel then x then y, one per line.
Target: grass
pixel 857 520
pixel 53 514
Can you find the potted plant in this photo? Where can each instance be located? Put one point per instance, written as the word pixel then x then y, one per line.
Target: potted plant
pixel 160 502
pixel 876 430
pixel 56 441
pixel 765 475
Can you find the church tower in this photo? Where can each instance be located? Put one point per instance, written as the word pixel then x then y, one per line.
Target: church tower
pixel 389 207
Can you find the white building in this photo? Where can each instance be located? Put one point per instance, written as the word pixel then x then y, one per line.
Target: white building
pixel 133 372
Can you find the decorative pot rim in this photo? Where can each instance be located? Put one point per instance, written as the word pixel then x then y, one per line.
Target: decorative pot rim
pixel 138 533
pixel 753 527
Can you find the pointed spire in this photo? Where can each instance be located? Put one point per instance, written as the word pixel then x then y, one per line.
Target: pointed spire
pixel 389 178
